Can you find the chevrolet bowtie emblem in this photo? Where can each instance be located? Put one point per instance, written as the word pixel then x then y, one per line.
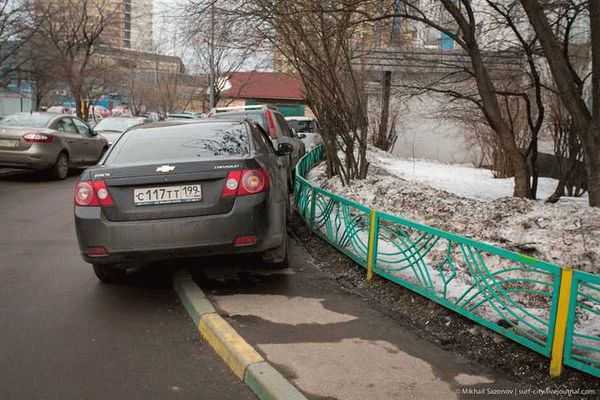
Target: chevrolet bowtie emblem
pixel 165 168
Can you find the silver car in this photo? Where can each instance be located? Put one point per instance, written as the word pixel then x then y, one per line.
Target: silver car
pixel 112 127
pixel 51 142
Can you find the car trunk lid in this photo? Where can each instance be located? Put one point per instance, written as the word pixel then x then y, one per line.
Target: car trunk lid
pixel 166 191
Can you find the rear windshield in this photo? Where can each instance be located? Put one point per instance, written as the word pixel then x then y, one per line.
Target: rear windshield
pixel 256 116
pixel 181 143
pixel 27 120
pixel 303 126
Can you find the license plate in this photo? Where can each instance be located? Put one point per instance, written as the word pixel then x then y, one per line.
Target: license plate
pixel 167 195
pixel 9 144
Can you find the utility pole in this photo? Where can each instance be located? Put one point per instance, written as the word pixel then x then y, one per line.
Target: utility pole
pixel 211 57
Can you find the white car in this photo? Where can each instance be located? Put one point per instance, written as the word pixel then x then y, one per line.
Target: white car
pixel 307 130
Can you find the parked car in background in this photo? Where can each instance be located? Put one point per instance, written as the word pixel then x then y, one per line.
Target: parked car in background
pixel 271 120
pixel 112 127
pixel 307 129
pixel 178 189
pixel 94 119
pixel 153 117
pixel 120 112
pixel 60 110
pixel 99 110
pixel 46 141
pixel 182 116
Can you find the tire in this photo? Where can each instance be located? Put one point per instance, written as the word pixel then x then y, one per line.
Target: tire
pixel 60 169
pixel 107 273
pixel 278 257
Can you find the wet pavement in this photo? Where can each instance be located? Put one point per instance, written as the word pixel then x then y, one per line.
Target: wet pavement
pixel 329 343
pixel 65 335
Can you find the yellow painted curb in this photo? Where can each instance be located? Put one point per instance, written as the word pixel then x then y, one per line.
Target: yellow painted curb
pixel 232 348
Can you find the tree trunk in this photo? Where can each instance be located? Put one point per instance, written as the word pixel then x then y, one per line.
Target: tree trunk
pixel 591 147
pixel 570 88
pixel 380 141
pixel 494 116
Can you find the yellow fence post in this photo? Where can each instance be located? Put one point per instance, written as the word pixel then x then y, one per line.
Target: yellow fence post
pixel 371 246
pixel 560 326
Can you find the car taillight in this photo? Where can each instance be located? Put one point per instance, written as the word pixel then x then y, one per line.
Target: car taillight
pixel 93 194
pixel 248 181
pixel 253 181
pixel 231 184
pixel 37 138
pixel 271 122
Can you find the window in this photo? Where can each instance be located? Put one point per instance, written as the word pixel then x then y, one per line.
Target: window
pixel 181 143
pixel 285 129
pixel 83 128
pixel 67 125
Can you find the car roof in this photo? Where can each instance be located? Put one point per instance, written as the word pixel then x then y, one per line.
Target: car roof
pixel 124 117
pixel 299 118
pixel 186 123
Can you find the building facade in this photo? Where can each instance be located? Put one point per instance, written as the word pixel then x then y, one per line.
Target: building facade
pixel 137 25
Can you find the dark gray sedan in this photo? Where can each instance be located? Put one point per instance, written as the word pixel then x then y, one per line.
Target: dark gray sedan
pixel 45 141
pixel 183 189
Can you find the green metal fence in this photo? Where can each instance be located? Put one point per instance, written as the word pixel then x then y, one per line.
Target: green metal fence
pixel 510 293
pixel 582 347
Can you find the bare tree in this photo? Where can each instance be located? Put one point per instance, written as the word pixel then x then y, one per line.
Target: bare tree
pixel 479 81
pixel 570 84
pixel 70 31
pixel 223 41
pixel 324 47
pixel 14 33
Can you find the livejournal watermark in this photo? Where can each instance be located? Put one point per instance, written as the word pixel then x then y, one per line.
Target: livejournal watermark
pixel 520 391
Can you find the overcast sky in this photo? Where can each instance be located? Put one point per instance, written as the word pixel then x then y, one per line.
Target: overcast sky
pixel 165 24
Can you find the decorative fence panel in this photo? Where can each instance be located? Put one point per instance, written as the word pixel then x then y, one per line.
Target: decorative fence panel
pixel 510 293
pixel 582 345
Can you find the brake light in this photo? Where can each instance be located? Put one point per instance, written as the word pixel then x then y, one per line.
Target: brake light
pixel 93 194
pixel 33 137
pixel 244 241
pixel 271 122
pixel 98 251
pixel 248 181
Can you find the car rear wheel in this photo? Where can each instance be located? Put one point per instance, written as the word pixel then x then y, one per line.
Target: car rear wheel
pixel 60 169
pixel 108 273
pixel 278 257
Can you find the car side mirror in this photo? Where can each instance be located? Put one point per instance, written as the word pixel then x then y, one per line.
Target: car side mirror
pixel 302 135
pixel 284 149
pixel 93 132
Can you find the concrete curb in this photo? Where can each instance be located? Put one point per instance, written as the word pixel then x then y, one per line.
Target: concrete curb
pixel 245 362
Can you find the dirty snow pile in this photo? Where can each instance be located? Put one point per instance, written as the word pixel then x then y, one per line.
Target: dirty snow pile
pixel 469 202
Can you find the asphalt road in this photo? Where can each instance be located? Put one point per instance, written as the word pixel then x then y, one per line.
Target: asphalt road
pixel 65 335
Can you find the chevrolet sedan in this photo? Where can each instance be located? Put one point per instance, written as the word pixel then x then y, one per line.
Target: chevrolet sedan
pixel 178 189
pixel 50 142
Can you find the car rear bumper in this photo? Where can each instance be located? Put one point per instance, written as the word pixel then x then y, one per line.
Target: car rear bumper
pixel 32 158
pixel 140 241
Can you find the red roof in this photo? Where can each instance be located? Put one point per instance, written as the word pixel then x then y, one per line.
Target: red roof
pixel 264 85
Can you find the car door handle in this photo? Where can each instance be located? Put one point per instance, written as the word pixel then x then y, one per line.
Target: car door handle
pixel 85 142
